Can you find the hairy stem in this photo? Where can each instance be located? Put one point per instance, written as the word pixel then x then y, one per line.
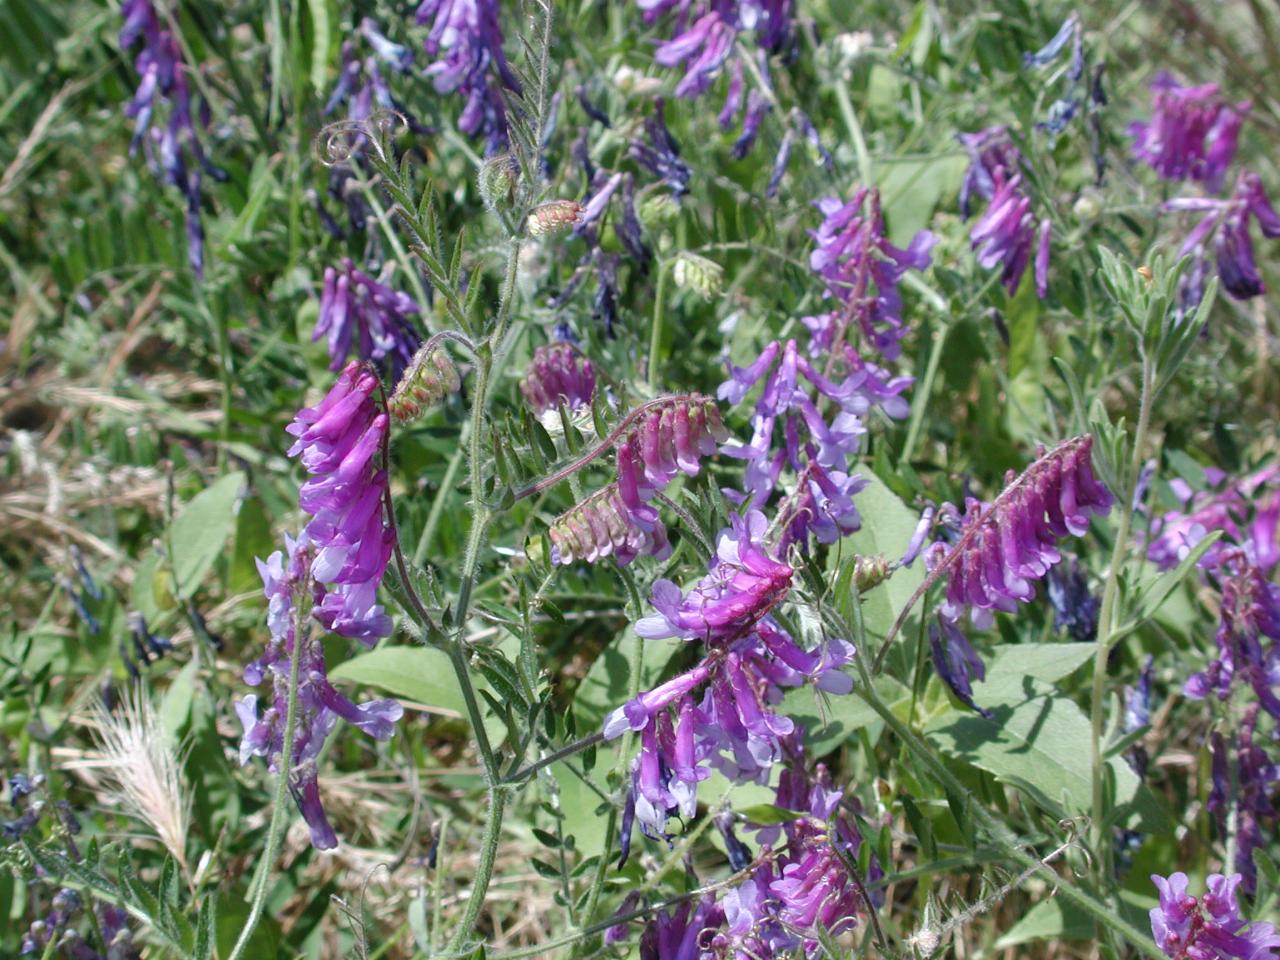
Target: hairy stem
pixel 1107 633
pixel 484 869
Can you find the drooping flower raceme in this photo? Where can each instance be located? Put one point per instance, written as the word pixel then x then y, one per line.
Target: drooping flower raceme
pixel 1209 927
pixel 558 374
pixel 358 311
pixel 338 442
pixel 285 578
pixel 1192 133
pixel 1247 511
pixel 173 149
pixel 465 37
pixel 1226 222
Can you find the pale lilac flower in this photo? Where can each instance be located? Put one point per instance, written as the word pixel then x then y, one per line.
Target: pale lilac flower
pixel 1211 927
pixel 358 311
pixel 1005 234
pixel 1192 133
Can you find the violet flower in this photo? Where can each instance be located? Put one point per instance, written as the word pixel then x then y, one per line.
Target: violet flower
pixel 1247 791
pixel 356 310
pixel 162 78
pixel 660 154
pixel 990 150
pixel 680 933
pixel 1208 928
pixel 1246 511
pixel 957 663
pixel 285 578
pixel 337 442
pixel 1192 133
pixel 1006 233
pixel 862 269
pixel 1075 607
pixel 466 38
pixel 558 374
pixel 1012 543
pixel 1227 222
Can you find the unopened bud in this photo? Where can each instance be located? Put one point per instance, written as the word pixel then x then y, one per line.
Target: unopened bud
pixel 497 179
pixel 698 273
pixel 429 377
pixel 870 571
pixel 554 217
pixel 1088 206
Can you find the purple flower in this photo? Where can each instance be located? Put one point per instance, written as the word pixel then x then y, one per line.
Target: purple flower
pixel 1008 545
pixel 1211 927
pixel 466 39
pixel 285 580
pixel 957 663
pixel 357 310
pixel 822 507
pixel 862 269
pixel 337 441
pixel 605 525
pixel 745 582
pixel 557 374
pixel 702 48
pixel 1250 614
pixel 989 150
pixel 1075 607
pixel 1246 511
pixel 679 934
pixel 1192 133
pixel 1005 234
pixel 672 436
pixel 660 154
pixel 162 78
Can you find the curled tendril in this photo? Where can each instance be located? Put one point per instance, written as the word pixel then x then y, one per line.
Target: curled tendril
pixel 338 142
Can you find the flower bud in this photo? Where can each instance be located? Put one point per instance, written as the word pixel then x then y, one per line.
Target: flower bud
pixel 1088 206
pixel 697 273
pixel 554 217
pixel 870 571
pixel 429 377
pixel 497 180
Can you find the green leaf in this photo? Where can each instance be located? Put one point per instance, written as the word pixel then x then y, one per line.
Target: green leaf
pixel 765 814
pixel 1040 745
pixel 200 531
pixel 887 526
pixel 830 721
pixel 1158 589
pixel 319 10
pixel 206 924
pixel 1013 664
pixel 1052 919
pixel 418 674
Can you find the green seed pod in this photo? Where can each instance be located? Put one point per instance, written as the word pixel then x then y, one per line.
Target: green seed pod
pixel 693 272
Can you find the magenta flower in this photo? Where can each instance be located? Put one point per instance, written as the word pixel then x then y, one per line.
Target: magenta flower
pixel 1246 511
pixel 356 310
pixel 669 438
pixel 1192 133
pixel 285 578
pixel 1010 544
pixel 337 441
pixel 558 374
pixel 1209 928
pixel 1006 233
pixel 703 49
pixel 862 269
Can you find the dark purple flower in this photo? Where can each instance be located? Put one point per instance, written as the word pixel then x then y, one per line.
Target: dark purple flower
pixel 1192 133
pixel 957 663
pixel 1211 927
pixel 558 374
pixel 1005 234
pixel 678 935
pixel 629 229
pixel 660 154
pixel 780 162
pixel 862 269
pixel 356 310
pixel 285 580
pixel 590 109
pixel 1007 546
pixel 620 931
pixel 989 150
pixel 1075 607
pixel 466 40
pixel 78 602
pixel 758 106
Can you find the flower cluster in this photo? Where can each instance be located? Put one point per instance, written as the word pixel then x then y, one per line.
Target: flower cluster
pixel 466 39
pixel 1247 511
pixel 337 442
pixel 429 377
pixel 1226 223
pixel 1005 546
pixel 558 374
pixel 1192 133
pixel 286 579
pixel 356 310
pixel 606 524
pixel 1209 927
pixel 1243 794
pixel 162 73
pixel 862 269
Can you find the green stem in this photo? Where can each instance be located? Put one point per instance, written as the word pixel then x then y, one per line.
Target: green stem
pixel 1107 633
pixel 384 221
pixel 280 805
pixel 655 334
pixel 1000 834
pixel 437 505
pixel 865 171
pixel 924 392
pixel 484 870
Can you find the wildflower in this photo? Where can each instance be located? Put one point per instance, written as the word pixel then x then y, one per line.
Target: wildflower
pixel 957 663
pixel 466 39
pixel 990 151
pixel 660 154
pixel 1005 234
pixel 822 507
pixel 557 374
pixel 428 379
pixel 285 578
pixel 862 269
pixel 83 574
pixel 1011 543
pixel 1075 607
pixel 605 525
pixel 1208 928
pixel 703 48
pixel 1246 511
pixel 1192 133
pixel 81 606
pixel 590 109
pixel 1250 804
pixel 629 229
pixel 336 443
pixel 1062 110
pixel 1227 222
pixel 1137 714
pixel 669 437
pixel 357 310
pixel 676 934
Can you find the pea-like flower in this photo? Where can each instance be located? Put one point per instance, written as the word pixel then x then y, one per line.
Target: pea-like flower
pixel 1192 133
pixel 1209 927
pixel 358 311
pixel 1226 222
pixel 558 374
